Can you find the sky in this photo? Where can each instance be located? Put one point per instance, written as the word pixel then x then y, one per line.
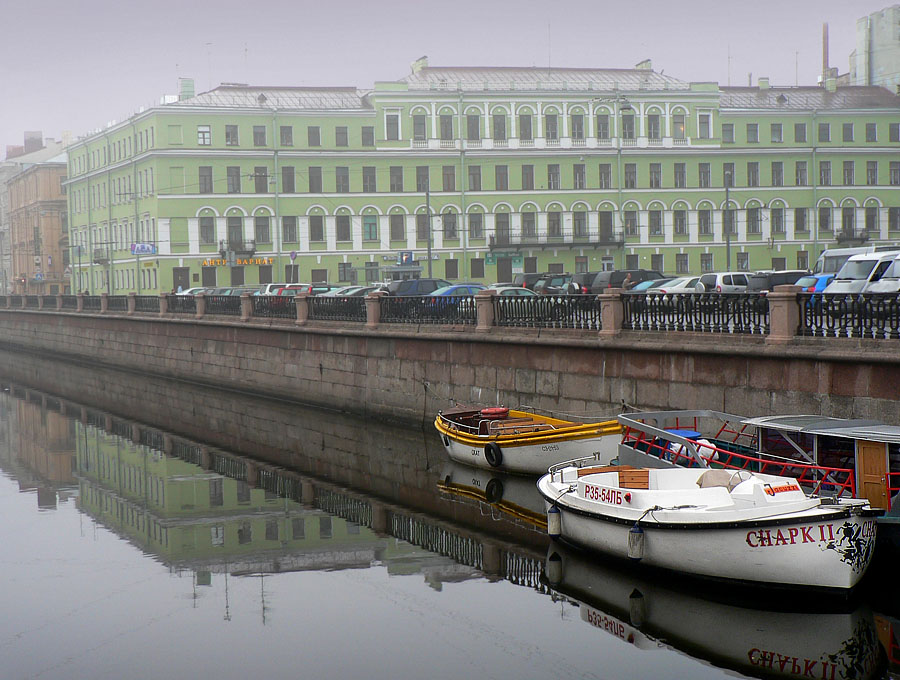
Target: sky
pixel 77 66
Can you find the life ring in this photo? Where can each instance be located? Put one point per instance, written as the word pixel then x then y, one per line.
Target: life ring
pixel 495 412
pixel 493 455
pixel 493 490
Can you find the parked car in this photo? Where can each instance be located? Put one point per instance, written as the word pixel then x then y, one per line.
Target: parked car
pixel 515 291
pixel 581 283
pixel 526 280
pixel 723 282
pixel 614 279
pixel 458 289
pixel 553 284
pixel 648 284
pixel 194 291
pixel 860 272
pixel 408 287
pixel 889 281
pixel 763 282
pixel 682 284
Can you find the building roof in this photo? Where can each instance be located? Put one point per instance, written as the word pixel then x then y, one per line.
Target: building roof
pixel 534 78
pixel 308 98
pixel 807 97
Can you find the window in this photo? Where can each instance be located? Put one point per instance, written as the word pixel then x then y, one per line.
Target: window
pixel 655 175
pixel 340 135
pixel 728 174
pixel 579 223
pixel 235 229
pixel 315 180
pixel 602 126
pixel 476 226
pixel 777 174
pixel 680 175
pixel 847 132
pixel 553 176
pixel 473 127
pixel 895 173
pixel 681 263
pixel 849 173
pixel 753 174
pixel 776 218
pixel 262 229
pixel 368 135
pixel 259 135
pixel 871 173
pixel 231 135
pixel 392 126
pixel 704 222
pixel 653 127
pixel 704 126
pixel 525 130
pixel 398 227
pixel 753 224
pixel 554 224
pixel 423 227
pixel 705 175
pixel 420 132
pixel 287 180
pixel 448 225
pixel 499 126
pixel 233 177
pixel 287 135
pixel 206 179
pixel 345 274
pixel 871 218
pixel 448 175
pixel 871 132
pixel 342 179
pixel 477 268
pixel 577 131
pixel 800 133
pixel 678 126
pixel 680 219
pixel 848 220
pixel 501 227
pixel 260 179
pixel 316 228
pixel 729 225
pixel 825 173
pixel 727 133
pixel 824 132
pixel 342 227
pixel 578 176
pixel 655 218
pixel 501 178
pixel 422 178
pixel 801 223
pixel 204 135
pixel 800 178
pixel 369 181
pixel 313 138
pixel 894 132
pixel 446 125
pixel 630 175
pixel 370 227
pixel 289 229
pixel 743 262
pixel 207 231
pixel 529 229
pixel 605 176
pixel 551 130
pixel 894 219
pixel 451 269
pixel 527 177
pixel 627 126
pixel 776 133
pixel 631 223
pixel 825 218
pixel 752 133
pixel 396 178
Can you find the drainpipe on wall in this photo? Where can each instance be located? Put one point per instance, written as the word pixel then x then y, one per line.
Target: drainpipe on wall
pixel 463 217
pixel 277 225
pixel 134 197
pixel 814 170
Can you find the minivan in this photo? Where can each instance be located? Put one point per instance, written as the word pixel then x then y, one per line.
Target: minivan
pixel 723 282
pixel 859 272
pixel 889 281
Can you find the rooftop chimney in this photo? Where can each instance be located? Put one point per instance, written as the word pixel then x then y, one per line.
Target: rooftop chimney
pixel 646 65
pixel 763 83
pixel 185 88
pixel 419 64
pixel 34 140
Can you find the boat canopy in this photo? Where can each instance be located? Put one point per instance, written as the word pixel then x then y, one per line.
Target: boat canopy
pixel 847 428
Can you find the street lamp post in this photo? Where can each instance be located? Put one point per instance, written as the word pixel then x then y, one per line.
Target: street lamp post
pixel 428 210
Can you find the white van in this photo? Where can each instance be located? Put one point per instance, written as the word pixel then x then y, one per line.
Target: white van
pixel 889 281
pixel 832 259
pixel 859 272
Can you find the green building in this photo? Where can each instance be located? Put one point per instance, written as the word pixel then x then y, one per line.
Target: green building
pixel 523 169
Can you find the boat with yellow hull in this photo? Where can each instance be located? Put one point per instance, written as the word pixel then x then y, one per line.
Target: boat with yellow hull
pixel 522 442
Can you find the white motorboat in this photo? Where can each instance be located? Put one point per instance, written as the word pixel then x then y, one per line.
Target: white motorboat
pixel 714 523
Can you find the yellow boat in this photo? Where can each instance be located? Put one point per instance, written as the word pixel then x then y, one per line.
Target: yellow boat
pixel 522 441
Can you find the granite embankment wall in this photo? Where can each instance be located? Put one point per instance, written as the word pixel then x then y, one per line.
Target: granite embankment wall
pixel 407 372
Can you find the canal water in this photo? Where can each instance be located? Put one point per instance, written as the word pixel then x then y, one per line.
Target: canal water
pixel 163 530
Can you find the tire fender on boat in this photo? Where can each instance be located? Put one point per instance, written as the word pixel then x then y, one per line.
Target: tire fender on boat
pixel 493 490
pixel 493 455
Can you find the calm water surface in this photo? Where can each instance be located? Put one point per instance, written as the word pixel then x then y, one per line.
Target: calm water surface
pixel 130 551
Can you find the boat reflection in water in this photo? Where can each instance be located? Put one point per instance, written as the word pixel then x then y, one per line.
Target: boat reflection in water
pixel 729 632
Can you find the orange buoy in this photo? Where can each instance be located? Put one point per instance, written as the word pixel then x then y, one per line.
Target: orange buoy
pixel 495 412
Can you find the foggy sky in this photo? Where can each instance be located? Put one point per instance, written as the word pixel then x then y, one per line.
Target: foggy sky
pixel 78 65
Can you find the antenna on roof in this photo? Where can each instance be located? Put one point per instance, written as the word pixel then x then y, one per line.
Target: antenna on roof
pixel 549 45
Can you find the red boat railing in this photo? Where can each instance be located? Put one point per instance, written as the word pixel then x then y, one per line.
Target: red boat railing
pixel 816 479
pixel 893 486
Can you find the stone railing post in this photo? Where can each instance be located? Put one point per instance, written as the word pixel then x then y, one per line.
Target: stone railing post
pixel 79 305
pixel 612 312
pixel 484 310
pixel 104 302
pixel 131 303
pixel 163 304
pixel 201 305
pixel 784 314
pixel 301 306
pixel 373 308
pixel 40 302
pixel 59 302
pixel 246 307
